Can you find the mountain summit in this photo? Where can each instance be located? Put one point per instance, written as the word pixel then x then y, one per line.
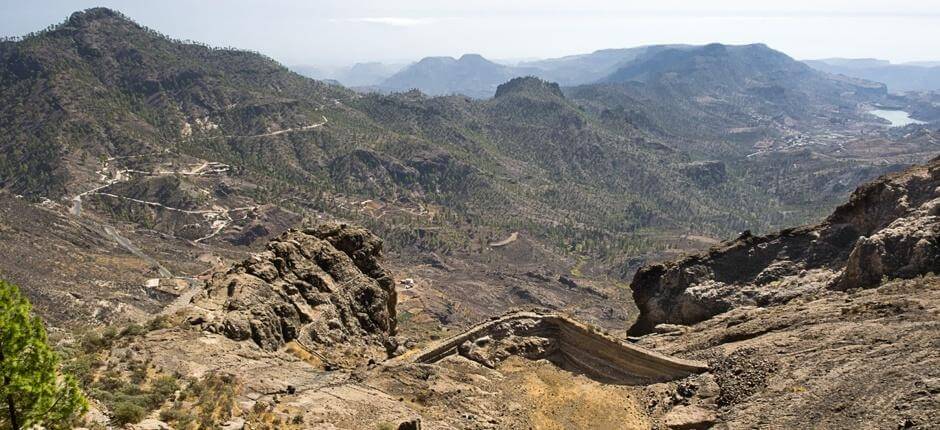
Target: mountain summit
pixel 470 75
pixel 531 86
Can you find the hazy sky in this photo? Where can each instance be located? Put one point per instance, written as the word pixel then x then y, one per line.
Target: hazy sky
pixel 338 32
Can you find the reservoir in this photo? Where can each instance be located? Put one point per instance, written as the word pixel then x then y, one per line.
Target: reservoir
pixel 898 118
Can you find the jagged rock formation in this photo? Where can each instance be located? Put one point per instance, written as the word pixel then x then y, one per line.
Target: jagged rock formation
pixel 320 286
pixel 889 228
pixel 566 342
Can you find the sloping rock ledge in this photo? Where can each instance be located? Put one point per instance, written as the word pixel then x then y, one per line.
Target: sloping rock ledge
pixel 568 343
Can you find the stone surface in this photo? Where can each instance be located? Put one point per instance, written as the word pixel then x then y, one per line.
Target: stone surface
pixel 689 418
pixel 320 286
pixel 889 228
pixel 150 424
pixel 830 362
pixel 905 248
pixel 571 345
pixel 234 424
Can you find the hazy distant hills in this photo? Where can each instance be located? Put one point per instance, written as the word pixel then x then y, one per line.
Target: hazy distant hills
pixel 358 75
pixel 470 75
pixel 705 91
pixel 760 72
pixel 588 68
pixel 474 76
pixel 923 76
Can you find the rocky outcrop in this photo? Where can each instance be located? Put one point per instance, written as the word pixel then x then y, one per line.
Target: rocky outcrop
pixel 889 228
pixel 320 286
pixel 905 248
pixel 837 356
pixel 689 418
pixel 566 342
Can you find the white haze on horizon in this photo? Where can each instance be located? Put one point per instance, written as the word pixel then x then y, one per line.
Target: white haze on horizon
pixel 331 33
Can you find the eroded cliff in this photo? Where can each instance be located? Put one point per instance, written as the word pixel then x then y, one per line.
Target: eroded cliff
pixel 319 286
pixel 888 229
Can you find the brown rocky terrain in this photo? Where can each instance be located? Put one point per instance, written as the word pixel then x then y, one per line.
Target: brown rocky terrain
pixel 798 334
pixel 563 341
pixel 835 325
pixel 317 286
pixel 189 237
pixel 868 359
pixel 305 330
pixel 888 229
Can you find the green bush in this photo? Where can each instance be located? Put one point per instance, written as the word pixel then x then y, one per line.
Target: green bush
pixel 165 386
pixel 158 323
pixel 124 398
pixel 133 330
pixel 126 412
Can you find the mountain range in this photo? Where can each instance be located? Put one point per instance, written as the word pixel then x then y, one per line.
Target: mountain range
pixel 358 75
pixel 242 204
pixel 899 78
pixel 637 147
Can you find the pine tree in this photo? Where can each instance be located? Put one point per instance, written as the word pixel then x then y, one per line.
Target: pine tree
pixel 34 392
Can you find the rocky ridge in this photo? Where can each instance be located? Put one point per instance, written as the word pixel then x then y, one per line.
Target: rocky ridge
pixel 832 325
pixel 306 328
pixel 568 343
pixel 319 286
pixel 888 229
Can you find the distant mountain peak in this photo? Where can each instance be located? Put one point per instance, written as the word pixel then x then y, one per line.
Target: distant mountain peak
pixel 473 58
pixel 82 18
pixel 529 85
pixel 714 48
pixel 436 60
pixel 471 75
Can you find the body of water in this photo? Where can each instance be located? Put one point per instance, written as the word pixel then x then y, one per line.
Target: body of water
pixel 898 118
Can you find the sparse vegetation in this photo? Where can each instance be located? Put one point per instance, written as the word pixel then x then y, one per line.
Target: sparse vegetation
pixel 563 169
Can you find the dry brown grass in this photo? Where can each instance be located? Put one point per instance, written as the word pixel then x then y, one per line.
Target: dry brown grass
pixel 558 399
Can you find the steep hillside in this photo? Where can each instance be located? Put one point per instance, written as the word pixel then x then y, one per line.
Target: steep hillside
pixel 201 154
pixel 214 150
pixel 802 136
pixel 99 85
pixel 707 91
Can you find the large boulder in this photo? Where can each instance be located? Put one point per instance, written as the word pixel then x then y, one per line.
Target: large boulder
pixel 319 286
pixel 906 248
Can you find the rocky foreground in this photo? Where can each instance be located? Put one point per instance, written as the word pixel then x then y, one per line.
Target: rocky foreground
pixel 306 330
pixel 835 325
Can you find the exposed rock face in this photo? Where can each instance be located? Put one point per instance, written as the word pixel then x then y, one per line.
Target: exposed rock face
pixel 566 342
pixel 319 286
pixel 889 228
pixel 690 418
pixel 866 355
pixel 906 248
